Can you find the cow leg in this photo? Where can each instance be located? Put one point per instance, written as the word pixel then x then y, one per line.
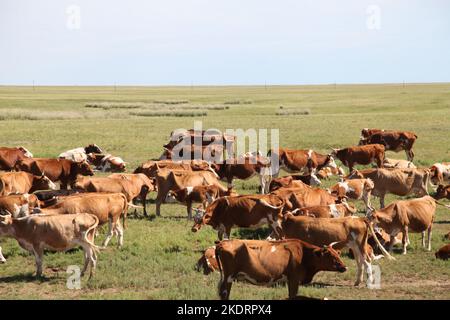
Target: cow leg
pixel 158 206
pixel 359 259
pixel 189 209
pixel 119 230
pixel 429 238
pixel 86 258
pixel 366 199
pixel 405 239
pixel 2 258
pixel 368 267
pixel 262 183
pixel 38 253
pixel 409 154
pixel 293 283
pixel 423 239
pixel 391 243
pixel 63 185
pixel 382 201
pixel 110 234
pixel 225 287
pixel 90 259
pixel 144 202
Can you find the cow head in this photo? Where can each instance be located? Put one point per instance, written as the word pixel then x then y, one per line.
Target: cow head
pixel 93 148
pixel 43 183
pixel 329 162
pixel 84 168
pixel 172 196
pixel 355 174
pixel 314 180
pixel 328 259
pixel 334 152
pixel 202 217
pixel 442 192
pixel 5 223
pixel 25 152
pixel 363 141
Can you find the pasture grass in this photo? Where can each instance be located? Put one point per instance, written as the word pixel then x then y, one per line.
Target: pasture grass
pixel 159 254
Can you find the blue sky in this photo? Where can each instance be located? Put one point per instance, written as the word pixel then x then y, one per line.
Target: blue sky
pixel 179 42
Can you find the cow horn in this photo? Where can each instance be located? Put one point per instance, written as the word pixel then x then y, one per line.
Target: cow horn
pixel 332 244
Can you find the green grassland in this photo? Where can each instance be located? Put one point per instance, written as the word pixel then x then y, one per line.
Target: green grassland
pixel 159 254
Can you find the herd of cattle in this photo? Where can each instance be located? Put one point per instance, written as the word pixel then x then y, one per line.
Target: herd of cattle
pixel 309 225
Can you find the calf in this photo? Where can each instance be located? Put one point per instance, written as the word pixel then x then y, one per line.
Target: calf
pixel 354 189
pixel 38 232
pixel 327 172
pixel 263 262
pixel 106 162
pixel 406 216
pixel 443 253
pixel 351 232
pixel 360 155
pixel 23 182
pixel 440 173
pixel 293 181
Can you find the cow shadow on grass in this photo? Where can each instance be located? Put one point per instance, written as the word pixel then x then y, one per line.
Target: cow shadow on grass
pixel 442 222
pixel 25 277
pixel 258 234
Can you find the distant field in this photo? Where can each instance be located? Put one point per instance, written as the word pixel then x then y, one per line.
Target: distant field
pixel 158 257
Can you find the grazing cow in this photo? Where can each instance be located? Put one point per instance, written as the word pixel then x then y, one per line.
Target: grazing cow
pixel 354 189
pixel 305 197
pixel 443 253
pixel 340 210
pixel 351 232
pixel 416 215
pixel 175 180
pixel 244 168
pixel 107 207
pixel 400 182
pixel 151 167
pixel 263 262
pixel 327 172
pixel 360 155
pixel 440 173
pixel 247 211
pixel 80 154
pixel 23 182
pixel 38 232
pixel 297 160
pixel 398 163
pixel 106 162
pixel 442 192
pixel 10 156
pixel 19 205
pixel 293 181
pixel 208 261
pixel 202 194
pixel 62 170
pixel 391 140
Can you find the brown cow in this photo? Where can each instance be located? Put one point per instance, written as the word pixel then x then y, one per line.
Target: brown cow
pixel 440 173
pixel 202 194
pixel 391 140
pixel 167 180
pixel 38 232
pixel 107 207
pixel 244 168
pixel 351 232
pixel 293 181
pixel 327 172
pixel 442 192
pixel 416 215
pixel 297 160
pixel 151 167
pixel 208 261
pixel 340 210
pixel 10 156
pixel 400 182
pixel 80 153
pixel 398 163
pixel 354 189
pixel 106 162
pixel 62 170
pixel 305 197
pixel 360 155
pixel 443 253
pixel 19 205
pixel 263 262
pixel 246 211
pixel 23 182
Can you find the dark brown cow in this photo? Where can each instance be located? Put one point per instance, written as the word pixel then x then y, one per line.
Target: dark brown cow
pixel 10 156
pixel 247 211
pixel 293 181
pixel 442 192
pixel 244 168
pixel 443 253
pixel 391 140
pixel 62 170
pixel 23 182
pixel 360 155
pixel 200 194
pixel 106 162
pixel 263 262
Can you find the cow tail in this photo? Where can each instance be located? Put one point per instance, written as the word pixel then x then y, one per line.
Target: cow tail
pixel 383 250
pixel 218 252
pixel 94 247
pixel 441 204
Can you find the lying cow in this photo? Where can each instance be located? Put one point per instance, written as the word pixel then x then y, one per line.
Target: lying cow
pixel 360 155
pixel 398 163
pixel 106 162
pixel 175 180
pixel 263 262
pixel 443 253
pixel 247 211
pixel 200 194
pixel 351 232
pixel 392 140
pixel 62 170
pixel 80 154
pixel 400 182
pixel 305 197
pixel 23 182
pixel 356 189
pixel 327 172
pixel 10 156
pixel 442 192
pixel 208 261
pixel 340 210
pixel 151 167
pixel 406 216
pixel 40 232
pixel 440 173
pixel 107 207
pixel 293 181
pixel 19 205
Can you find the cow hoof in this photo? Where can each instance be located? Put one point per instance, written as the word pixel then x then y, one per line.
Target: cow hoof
pixel 2 261
pixel 357 283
